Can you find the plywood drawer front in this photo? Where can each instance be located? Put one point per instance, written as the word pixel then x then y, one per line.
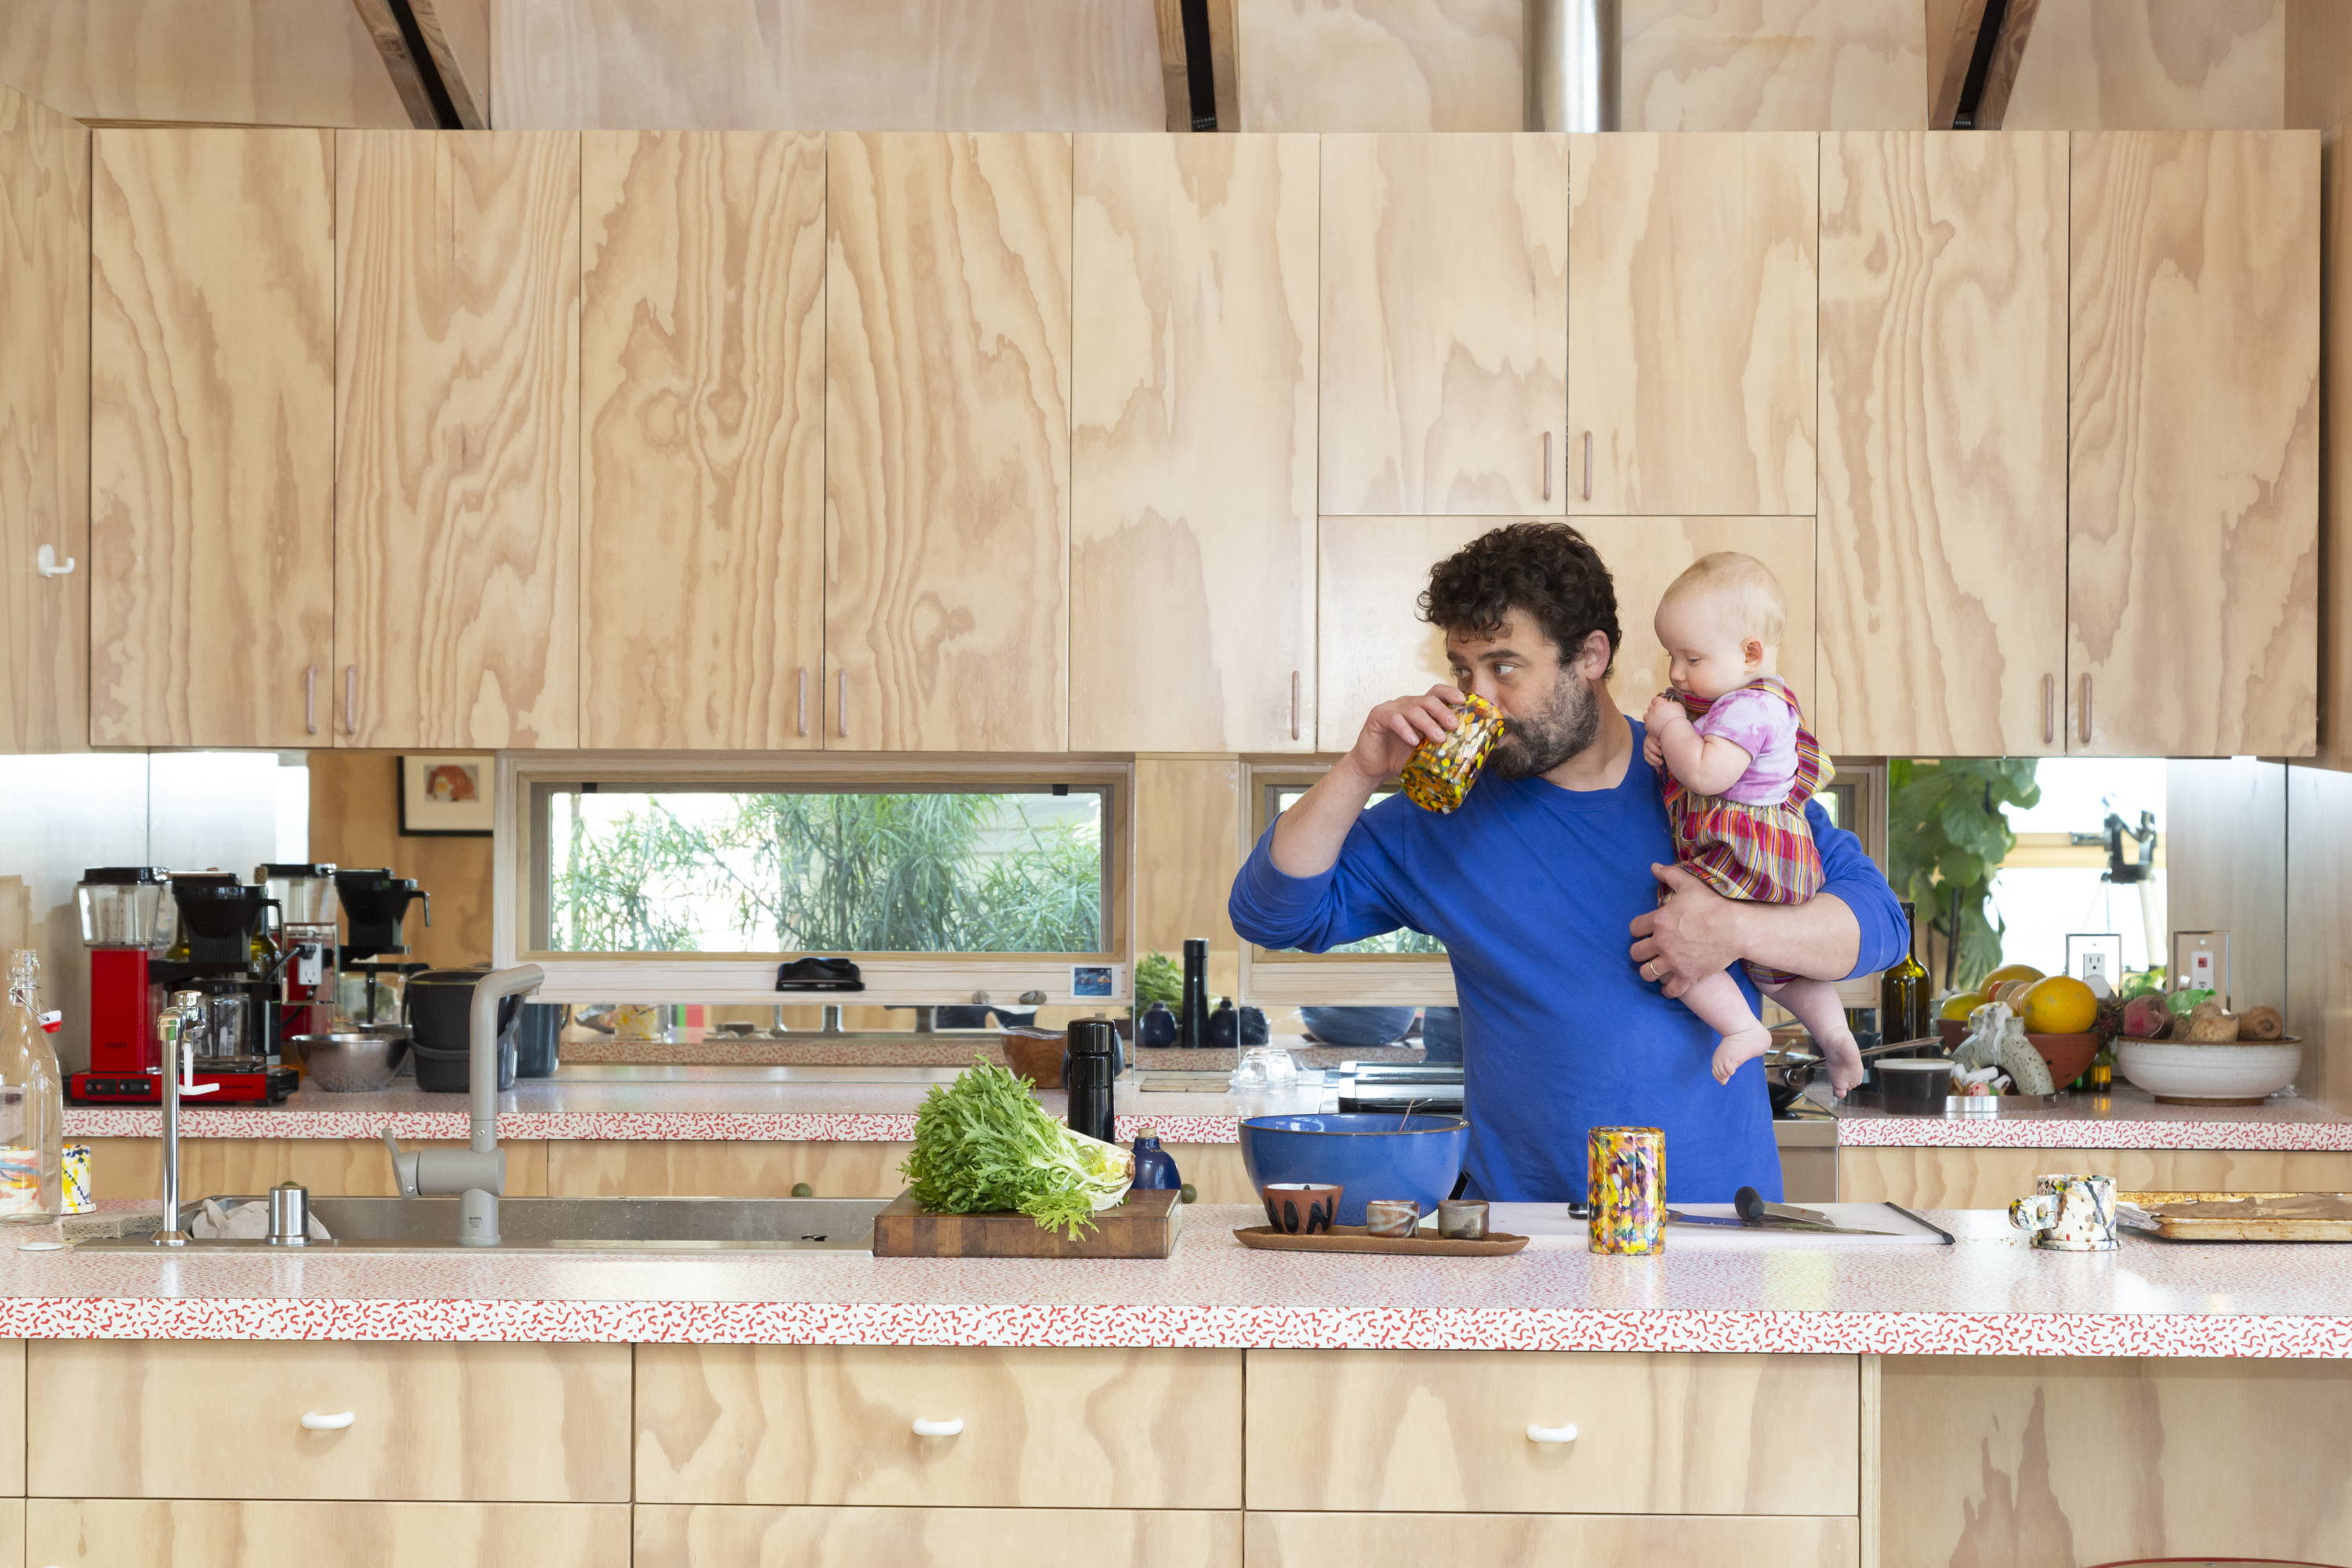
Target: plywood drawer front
pixel 1040 1429
pixel 1448 1430
pixel 1423 1540
pixel 485 1423
pixel 686 1537
pixel 116 1532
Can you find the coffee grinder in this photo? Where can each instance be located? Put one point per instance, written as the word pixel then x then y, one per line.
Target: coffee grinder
pixel 375 912
pixel 305 895
pixel 128 923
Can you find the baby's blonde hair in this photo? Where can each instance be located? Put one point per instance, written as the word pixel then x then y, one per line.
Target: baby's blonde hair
pixel 1745 585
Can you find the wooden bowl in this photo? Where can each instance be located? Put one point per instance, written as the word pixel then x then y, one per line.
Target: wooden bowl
pixel 1035 1054
pixel 2068 1055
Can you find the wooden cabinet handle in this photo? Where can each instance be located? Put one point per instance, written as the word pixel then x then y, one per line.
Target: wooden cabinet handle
pixel 1551 1434
pixel 1547 489
pixel 314 1422
pixel 801 721
pixel 1588 464
pixel 841 706
pixel 2049 710
pixel 1294 705
pixel 2085 725
pixel 310 701
pixel 950 1428
pixel 351 700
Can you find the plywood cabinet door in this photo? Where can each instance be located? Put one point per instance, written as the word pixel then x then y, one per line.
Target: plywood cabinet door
pixel 457 455
pixel 124 1533
pixel 1943 463
pixel 1444 324
pixel 44 426
pixel 1373 647
pixel 703 405
pixel 2194 481
pixel 1193 451
pixel 947 442
pixel 1691 313
pixel 212 563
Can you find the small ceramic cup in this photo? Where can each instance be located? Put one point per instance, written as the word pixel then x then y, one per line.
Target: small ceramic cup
pixel 1392 1219
pixel 2069 1213
pixel 1300 1208
pixel 1462 1219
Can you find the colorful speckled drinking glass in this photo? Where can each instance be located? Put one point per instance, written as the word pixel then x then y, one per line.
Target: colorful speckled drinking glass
pixel 1438 775
pixel 1625 1183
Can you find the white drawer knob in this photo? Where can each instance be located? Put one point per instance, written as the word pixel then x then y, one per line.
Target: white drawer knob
pixel 314 1422
pixel 947 1429
pixel 1551 1434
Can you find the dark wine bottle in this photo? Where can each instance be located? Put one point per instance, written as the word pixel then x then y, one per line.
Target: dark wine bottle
pixel 1902 1012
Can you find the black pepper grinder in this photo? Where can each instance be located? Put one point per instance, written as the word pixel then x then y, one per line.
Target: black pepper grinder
pixel 1192 1023
pixel 1086 1072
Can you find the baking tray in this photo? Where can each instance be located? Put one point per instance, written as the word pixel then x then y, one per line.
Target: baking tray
pixel 1355 1238
pixel 2253 1226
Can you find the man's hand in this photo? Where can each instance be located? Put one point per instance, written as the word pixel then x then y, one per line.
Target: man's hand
pixel 1393 729
pixel 1694 935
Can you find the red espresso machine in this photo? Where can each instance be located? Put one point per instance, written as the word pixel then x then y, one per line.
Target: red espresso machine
pixel 216 945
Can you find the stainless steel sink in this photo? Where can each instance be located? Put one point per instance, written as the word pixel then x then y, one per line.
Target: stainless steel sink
pixel 567 1225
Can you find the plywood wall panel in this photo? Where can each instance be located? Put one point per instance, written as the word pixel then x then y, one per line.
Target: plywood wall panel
pixel 2152 65
pixel 221 62
pixel 356 821
pixel 1379 65
pixel 1773 65
pixel 2225 849
pixel 702 408
pixel 2318 63
pixel 828 65
pixel 2318 1004
pixel 44 425
pixel 1189 812
pixel 213 438
pixel 1193 444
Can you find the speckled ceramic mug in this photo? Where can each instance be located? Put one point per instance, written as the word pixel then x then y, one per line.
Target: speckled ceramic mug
pixel 2069 1213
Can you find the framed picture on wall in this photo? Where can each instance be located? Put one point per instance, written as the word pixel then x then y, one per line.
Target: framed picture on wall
pixel 446 796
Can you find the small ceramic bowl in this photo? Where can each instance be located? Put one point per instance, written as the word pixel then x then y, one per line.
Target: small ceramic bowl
pixel 1392 1219
pixel 1462 1219
pixel 1300 1208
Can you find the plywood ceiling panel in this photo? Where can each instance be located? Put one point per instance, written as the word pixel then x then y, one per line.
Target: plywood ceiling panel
pixel 828 65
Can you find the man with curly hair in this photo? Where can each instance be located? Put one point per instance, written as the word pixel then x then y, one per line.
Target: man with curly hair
pixel 1536 883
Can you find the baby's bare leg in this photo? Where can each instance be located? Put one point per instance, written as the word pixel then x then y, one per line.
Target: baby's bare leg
pixel 1719 1001
pixel 1818 1007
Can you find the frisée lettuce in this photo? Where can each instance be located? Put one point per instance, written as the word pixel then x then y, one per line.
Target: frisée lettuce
pixel 982 1144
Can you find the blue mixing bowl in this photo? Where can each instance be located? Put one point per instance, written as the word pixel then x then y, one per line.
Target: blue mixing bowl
pixel 1370 1154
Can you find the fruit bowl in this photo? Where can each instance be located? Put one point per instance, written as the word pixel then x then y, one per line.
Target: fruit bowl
pixel 2068 1055
pixel 2178 1073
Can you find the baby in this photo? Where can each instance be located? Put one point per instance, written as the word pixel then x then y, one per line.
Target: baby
pixel 1739 769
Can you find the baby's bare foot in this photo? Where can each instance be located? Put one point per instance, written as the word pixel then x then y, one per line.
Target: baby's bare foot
pixel 1741 1046
pixel 1844 1060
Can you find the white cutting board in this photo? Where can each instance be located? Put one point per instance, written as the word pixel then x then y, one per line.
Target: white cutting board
pixel 1551 1225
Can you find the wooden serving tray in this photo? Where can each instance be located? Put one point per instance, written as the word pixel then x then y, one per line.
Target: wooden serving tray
pixel 1145 1225
pixel 2252 1225
pixel 1355 1238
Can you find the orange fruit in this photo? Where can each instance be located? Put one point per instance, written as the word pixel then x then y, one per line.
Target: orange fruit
pixel 2006 973
pixel 2061 1004
pixel 1959 1006
pixel 2010 994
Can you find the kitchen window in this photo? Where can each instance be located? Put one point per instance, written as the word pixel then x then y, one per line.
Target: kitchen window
pixel 694 880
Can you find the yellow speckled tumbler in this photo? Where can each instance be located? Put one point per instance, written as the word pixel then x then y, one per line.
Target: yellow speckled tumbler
pixel 1625 1184
pixel 1438 775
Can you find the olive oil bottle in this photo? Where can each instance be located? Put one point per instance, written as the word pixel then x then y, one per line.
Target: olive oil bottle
pixel 1903 1010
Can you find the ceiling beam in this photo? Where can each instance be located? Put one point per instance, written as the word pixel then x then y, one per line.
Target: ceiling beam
pixel 1987 41
pixel 414 38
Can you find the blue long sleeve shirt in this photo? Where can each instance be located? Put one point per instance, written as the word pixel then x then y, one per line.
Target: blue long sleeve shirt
pixel 1531 888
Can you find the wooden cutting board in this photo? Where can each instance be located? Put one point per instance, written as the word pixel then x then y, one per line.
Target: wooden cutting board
pixel 1145 1225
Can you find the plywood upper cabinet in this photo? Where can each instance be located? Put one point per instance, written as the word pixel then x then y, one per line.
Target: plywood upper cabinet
pixel 212 437
pixel 1193 460
pixel 1943 461
pixel 1374 648
pixel 947 442
pixel 1444 324
pixel 702 404
pixel 44 426
pixel 2193 552
pixel 1691 324
pixel 456 378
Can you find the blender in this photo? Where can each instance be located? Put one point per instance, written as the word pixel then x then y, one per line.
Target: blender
pixel 128 922
pixel 307 906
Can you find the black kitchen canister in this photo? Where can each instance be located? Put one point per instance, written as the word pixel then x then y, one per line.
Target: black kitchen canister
pixel 1086 1072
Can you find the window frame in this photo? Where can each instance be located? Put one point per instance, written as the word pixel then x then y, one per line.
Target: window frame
pixel 892 979
pixel 1283 978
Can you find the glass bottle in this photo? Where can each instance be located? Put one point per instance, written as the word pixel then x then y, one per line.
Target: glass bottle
pixel 32 1100
pixel 1903 1012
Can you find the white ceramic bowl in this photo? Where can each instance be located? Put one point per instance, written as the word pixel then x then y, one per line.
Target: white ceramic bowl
pixel 2175 1070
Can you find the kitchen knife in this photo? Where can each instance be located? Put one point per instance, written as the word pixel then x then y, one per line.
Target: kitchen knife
pixel 1754 1207
pixel 1779 1226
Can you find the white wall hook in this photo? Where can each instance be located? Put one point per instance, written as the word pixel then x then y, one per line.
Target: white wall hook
pixel 45 562
pixel 947 1429
pixel 1551 1434
pixel 314 1422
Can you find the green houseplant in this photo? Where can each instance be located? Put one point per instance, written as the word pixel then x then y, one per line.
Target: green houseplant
pixel 1947 834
